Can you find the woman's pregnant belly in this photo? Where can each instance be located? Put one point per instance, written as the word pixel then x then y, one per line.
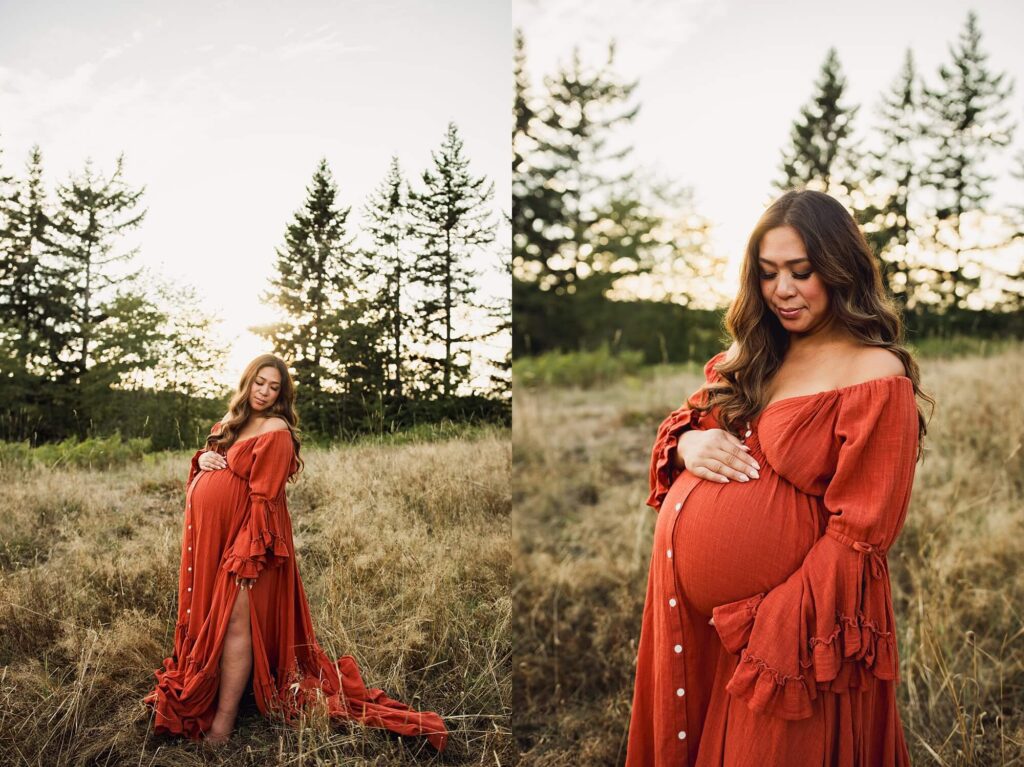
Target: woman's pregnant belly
pixel 215 495
pixel 736 539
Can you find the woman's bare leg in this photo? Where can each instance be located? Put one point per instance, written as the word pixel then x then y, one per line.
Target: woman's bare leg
pixel 235 665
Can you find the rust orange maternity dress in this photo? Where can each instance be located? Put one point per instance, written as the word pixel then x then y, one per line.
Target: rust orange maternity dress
pixel 237 521
pixel 800 665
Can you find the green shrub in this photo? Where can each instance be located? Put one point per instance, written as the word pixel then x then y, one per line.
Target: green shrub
pixel 94 452
pixel 933 347
pixel 585 369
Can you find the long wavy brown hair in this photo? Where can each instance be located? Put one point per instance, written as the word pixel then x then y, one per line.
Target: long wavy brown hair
pixel 239 410
pixel 859 303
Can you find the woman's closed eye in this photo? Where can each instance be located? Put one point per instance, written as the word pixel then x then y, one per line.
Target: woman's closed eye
pixel 797 275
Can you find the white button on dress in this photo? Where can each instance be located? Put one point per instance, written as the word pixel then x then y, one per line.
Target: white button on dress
pixel 672 602
pixel 682 735
pixel 670 553
pixel 680 692
pixel 678 648
pixel 679 506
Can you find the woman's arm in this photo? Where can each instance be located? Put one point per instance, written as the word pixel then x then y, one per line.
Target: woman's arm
pixel 259 542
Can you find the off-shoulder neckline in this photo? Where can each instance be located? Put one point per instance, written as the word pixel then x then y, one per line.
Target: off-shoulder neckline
pixel 255 436
pixel 837 390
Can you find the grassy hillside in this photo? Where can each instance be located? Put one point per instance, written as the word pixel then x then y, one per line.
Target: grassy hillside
pixel 403 551
pixel 579 485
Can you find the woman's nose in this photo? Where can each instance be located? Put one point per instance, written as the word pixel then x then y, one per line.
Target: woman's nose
pixel 785 287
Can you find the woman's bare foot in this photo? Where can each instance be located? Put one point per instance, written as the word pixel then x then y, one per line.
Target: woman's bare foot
pixel 217 738
pixel 221 728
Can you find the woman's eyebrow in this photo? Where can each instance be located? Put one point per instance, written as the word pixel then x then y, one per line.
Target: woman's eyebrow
pixel 790 261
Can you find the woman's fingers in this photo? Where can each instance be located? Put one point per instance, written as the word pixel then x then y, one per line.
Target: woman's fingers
pixel 704 472
pixel 212 460
pixel 738 461
pixel 740 452
pixel 723 462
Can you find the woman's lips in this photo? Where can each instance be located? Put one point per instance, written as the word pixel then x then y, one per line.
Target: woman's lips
pixel 790 314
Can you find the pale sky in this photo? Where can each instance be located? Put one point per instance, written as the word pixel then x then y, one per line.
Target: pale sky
pixel 721 81
pixel 223 110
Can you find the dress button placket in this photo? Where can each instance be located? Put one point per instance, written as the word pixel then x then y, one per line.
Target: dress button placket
pixel 189 534
pixel 676 639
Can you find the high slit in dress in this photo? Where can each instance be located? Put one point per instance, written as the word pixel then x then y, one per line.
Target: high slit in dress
pixel 236 522
pixel 800 664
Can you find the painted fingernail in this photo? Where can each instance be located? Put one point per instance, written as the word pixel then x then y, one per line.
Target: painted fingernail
pixel 754 474
pixel 744 478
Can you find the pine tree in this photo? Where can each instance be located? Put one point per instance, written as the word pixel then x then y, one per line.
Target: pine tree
pixel 1013 295
pixel 893 180
pixel 451 218
pixel 823 154
pixel 522 110
pixel 570 183
pixel 6 196
pixel 537 206
pixel 28 307
pixel 188 358
pixel 386 217
pixel 315 287
pixel 968 121
pixel 500 313
pixel 92 215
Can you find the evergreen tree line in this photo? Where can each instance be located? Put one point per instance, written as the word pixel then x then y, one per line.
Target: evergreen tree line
pixel 383 323
pixel 78 321
pixel 919 185
pixel 378 335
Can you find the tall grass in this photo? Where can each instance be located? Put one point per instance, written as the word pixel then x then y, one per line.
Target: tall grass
pixel 584 535
pixel 403 551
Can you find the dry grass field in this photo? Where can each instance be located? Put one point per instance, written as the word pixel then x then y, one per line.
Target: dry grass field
pixel 584 536
pixel 403 550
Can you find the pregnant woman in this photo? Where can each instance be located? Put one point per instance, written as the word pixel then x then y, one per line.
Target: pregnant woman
pixel 768 633
pixel 241 606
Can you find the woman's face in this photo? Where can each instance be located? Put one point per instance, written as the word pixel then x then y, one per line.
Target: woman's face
pixel 789 282
pixel 265 388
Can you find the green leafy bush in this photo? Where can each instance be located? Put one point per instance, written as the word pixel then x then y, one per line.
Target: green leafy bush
pixel 94 452
pixel 585 369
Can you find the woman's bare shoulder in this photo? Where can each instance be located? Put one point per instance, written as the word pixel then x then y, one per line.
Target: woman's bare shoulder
pixel 273 424
pixel 870 362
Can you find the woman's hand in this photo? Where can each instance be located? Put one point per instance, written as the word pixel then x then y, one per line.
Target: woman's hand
pixel 717 455
pixel 245 583
pixel 211 460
